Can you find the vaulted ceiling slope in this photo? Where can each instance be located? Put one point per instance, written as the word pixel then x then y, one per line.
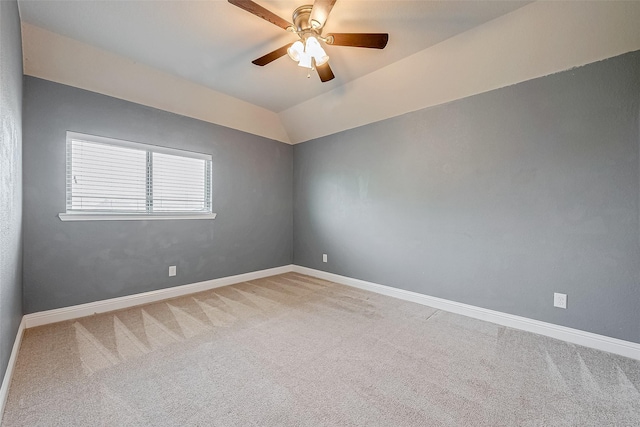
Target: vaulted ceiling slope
pixel 194 58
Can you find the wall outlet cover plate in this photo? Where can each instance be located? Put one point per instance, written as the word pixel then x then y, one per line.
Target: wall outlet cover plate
pixel 560 300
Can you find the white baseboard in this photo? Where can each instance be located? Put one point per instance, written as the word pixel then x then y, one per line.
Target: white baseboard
pixel 88 309
pixel 575 336
pixel 8 374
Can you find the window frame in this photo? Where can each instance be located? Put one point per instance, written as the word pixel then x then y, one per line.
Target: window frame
pixel 95 215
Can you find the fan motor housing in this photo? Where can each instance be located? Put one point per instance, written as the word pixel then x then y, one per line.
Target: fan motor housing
pixel 301 18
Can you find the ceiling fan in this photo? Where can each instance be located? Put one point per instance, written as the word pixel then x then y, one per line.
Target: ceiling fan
pixel 308 22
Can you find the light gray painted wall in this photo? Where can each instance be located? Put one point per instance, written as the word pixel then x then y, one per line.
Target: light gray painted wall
pixel 10 179
pixel 67 263
pixel 497 200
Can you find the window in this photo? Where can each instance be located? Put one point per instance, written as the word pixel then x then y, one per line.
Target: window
pixel 114 179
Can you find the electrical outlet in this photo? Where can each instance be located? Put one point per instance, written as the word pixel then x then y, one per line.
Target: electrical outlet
pixel 560 300
pixel 324 257
pixel 172 270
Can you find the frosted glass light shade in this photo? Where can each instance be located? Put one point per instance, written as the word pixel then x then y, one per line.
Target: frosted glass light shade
pixel 296 50
pixel 305 60
pixel 314 49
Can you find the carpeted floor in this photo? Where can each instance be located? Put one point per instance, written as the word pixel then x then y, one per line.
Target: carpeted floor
pixel 292 350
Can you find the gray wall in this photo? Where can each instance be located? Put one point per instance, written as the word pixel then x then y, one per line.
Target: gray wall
pixel 10 178
pixel 496 200
pixel 67 263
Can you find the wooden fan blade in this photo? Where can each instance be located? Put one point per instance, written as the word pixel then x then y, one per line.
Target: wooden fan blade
pixel 371 40
pixel 261 12
pixel 325 73
pixel 320 12
pixel 272 56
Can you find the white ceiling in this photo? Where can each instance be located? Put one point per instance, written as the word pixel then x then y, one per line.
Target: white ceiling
pixel 212 42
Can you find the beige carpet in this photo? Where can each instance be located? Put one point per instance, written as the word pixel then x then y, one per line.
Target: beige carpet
pixel 292 350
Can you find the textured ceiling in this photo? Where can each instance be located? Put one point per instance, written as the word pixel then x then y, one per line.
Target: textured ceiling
pixel 212 42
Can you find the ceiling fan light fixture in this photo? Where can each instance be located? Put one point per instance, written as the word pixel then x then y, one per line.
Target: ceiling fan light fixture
pixel 296 51
pixel 305 60
pixel 321 61
pixel 314 49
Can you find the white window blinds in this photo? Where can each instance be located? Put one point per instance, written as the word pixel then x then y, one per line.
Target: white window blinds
pixel 119 177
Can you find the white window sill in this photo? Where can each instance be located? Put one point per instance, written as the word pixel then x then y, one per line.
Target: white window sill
pixel 129 217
